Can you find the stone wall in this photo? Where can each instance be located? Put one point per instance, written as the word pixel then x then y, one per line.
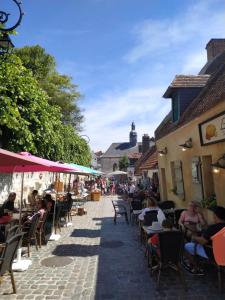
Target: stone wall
pixel 36 180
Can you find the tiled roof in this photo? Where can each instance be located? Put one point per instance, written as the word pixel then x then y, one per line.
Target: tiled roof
pixel 134 155
pixel 142 159
pixel 151 162
pixel 210 95
pixel 98 153
pixel 186 81
pixel 120 149
pixel 213 65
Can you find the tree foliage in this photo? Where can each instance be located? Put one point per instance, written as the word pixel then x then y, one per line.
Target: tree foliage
pixel 29 123
pixel 124 163
pixel 59 88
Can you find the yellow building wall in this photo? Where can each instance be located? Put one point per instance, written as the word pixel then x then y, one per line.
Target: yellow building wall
pixel 172 142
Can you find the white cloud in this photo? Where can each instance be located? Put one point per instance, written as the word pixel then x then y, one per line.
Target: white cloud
pixel 153 36
pixel 194 62
pixel 167 47
pixel 109 118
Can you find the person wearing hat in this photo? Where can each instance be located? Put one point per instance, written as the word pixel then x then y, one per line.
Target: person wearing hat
pixel 153 241
pixel 199 243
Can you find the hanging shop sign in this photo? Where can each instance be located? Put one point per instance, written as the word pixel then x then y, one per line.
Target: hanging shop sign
pixel 212 130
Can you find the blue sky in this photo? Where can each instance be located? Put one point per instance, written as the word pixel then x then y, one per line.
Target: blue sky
pixel 122 54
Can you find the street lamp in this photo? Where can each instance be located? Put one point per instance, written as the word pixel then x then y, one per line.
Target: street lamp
pixel 5 41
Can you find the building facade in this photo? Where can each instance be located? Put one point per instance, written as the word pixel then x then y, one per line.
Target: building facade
pixel 132 149
pixel 191 139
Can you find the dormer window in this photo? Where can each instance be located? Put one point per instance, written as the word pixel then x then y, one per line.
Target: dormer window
pixel 175 108
pixel 182 91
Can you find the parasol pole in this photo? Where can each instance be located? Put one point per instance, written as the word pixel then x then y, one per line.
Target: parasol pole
pixel 21 264
pixel 68 188
pixel 21 200
pixel 54 236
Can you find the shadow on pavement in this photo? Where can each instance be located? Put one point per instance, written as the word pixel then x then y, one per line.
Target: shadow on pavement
pixel 88 233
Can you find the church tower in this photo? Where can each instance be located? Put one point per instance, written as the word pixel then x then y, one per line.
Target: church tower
pixel 133 135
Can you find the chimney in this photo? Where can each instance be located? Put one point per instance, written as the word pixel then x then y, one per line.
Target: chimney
pixel 215 47
pixel 145 143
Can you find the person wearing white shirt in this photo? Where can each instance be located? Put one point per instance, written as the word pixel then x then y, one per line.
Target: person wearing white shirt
pixel 152 206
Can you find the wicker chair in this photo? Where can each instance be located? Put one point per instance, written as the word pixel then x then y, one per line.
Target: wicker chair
pixel 7 257
pixel 171 249
pixel 30 229
pixel 41 229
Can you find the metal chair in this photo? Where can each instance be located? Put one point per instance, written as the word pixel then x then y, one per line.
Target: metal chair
pixel 8 256
pixel 120 209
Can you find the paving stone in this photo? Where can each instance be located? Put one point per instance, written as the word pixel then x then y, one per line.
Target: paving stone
pixel 97 273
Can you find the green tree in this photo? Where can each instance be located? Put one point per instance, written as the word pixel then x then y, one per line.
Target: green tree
pixel 29 123
pixel 59 88
pixel 124 163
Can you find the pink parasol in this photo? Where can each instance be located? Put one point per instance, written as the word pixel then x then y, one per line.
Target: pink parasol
pixel 26 162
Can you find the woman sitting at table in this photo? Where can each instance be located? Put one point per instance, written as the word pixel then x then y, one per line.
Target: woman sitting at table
pixel 191 216
pixel 152 206
pixel 41 209
pixel 191 221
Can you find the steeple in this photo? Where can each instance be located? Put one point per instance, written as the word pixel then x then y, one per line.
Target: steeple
pixel 133 135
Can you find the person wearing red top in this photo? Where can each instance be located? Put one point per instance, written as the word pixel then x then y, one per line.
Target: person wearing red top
pixel 153 242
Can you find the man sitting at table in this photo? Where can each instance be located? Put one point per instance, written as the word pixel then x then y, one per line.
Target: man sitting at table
pixel 8 205
pixel 199 243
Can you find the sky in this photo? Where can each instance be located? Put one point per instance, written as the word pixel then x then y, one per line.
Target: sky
pixel 122 54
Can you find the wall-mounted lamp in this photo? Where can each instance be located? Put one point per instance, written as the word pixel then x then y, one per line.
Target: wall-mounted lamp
pixel 186 145
pixel 163 152
pixel 219 164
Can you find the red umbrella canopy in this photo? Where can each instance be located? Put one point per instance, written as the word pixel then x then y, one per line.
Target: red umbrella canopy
pixel 26 162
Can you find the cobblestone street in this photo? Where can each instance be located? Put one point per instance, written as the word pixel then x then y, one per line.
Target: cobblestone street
pixel 107 262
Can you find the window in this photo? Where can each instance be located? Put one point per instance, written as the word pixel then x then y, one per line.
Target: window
pixel 177 178
pixel 175 108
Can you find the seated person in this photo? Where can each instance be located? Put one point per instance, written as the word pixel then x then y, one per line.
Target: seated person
pixel 32 199
pixel 8 205
pixel 152 206
pixel 50 203
pixel 197 246
pixel 191 215
pixel 153 241
pixel 41 209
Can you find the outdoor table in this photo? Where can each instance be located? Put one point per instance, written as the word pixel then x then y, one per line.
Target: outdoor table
pixel 148 231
